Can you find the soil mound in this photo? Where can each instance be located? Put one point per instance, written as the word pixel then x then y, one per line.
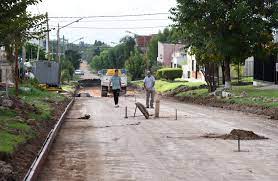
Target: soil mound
pixel 236 134
pixel 89 82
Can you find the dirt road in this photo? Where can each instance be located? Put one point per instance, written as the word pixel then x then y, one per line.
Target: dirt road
pixel 109 147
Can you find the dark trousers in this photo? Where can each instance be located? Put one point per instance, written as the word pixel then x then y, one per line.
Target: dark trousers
pixel 150 93
pixel 116 94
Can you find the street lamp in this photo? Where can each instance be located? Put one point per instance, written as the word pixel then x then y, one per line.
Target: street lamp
pixel 71 43
pixel 58 44
pixel 77 40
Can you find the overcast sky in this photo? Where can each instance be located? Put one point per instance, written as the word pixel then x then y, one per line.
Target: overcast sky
pixel 105 8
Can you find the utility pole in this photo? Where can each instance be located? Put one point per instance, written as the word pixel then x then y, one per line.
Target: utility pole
pixel 64 51
pixel 58 44
pixel 48 38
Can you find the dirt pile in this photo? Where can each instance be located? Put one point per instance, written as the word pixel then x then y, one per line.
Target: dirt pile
pixel 17 104
pixel 214 102
pixel 182 88
pixel 235 134
pixel 89 82
pixel 243 135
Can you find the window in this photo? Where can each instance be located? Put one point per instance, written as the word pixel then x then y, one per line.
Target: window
pixel 193 63
pixel 1 75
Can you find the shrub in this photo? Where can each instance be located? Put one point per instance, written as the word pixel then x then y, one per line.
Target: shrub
pixel 169 73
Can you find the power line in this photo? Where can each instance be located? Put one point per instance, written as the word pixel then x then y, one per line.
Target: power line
pixel 117 28
pixel 109 16
pixel 116 20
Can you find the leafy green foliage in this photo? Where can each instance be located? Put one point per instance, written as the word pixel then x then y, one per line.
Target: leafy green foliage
pixel 32 51
pixel 135 65
pixel 114 57
pixel 169 73
pixel 163 86
pixel 12 131
pixel 227 30
pixel 73 57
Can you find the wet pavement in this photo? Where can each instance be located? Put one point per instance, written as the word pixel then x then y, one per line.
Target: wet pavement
pixel 110 147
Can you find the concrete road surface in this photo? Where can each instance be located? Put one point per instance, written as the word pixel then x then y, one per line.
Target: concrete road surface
pixel 109 147
pixel 87 73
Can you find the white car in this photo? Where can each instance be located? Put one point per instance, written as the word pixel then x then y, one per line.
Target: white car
pixel 79 72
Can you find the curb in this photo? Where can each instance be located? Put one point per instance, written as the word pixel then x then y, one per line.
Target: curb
pixel 37 165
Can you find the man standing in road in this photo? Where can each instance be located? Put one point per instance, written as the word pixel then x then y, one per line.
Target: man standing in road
pixel 116 87
pixel 149 83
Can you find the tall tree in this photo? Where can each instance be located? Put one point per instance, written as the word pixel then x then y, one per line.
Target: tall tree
pixel 235 29
pixel 135 65
pixel 17 26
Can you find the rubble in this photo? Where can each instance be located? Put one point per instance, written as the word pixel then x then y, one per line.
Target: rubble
pixel 86 116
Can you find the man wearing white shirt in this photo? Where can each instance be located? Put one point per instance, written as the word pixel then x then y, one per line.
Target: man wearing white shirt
pixel 149 83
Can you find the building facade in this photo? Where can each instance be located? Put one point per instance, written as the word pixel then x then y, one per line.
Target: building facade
pixel 143 41
pixel 166 51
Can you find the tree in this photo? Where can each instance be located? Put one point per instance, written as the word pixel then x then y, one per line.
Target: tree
pixel 73 57
pixel 234 29
pixel 16 27
pixel 114 57
pixel 135 65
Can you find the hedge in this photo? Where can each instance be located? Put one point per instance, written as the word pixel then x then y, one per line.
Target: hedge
pixel 169 73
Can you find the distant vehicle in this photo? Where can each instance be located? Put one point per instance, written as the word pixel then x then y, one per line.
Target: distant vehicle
pixel 79 72
pixel 99 73
pixel 106 76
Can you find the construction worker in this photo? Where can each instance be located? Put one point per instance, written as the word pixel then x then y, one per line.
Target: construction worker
pixel 116 87
pixel 149 83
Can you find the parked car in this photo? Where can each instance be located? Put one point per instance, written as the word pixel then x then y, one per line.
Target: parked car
pixel 79 72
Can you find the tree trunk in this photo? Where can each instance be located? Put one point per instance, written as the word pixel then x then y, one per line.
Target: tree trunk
pixel 227 71
pixel 238 73
pixel 16 71
pixel 209 76
pixel 223 73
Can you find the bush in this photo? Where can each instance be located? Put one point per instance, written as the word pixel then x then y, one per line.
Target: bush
pixel 169 73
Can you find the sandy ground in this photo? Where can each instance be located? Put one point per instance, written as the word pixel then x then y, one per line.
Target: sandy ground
pixel 110 147
pixel 87 73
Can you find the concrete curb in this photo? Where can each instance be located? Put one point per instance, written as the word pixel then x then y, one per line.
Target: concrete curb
pixel 43 153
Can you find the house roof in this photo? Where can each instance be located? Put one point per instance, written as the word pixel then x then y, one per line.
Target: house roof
pixel 143 41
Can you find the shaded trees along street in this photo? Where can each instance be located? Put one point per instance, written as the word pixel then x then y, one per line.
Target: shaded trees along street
pixel 232 30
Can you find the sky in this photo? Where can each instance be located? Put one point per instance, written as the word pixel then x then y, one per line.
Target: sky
pixel 109 35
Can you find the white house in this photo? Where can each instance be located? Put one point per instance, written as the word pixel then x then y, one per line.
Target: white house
pixel 165 52
pixel 183 58
pixel 179 58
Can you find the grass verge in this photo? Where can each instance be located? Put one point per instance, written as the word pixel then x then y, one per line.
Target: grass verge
pixel 252 96
pixel 15 128
pixel 163 86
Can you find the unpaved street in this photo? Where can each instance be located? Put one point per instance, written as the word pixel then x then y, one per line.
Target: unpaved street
pixel 109 147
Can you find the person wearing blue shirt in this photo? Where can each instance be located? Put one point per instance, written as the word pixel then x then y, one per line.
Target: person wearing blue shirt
pixel 116 87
